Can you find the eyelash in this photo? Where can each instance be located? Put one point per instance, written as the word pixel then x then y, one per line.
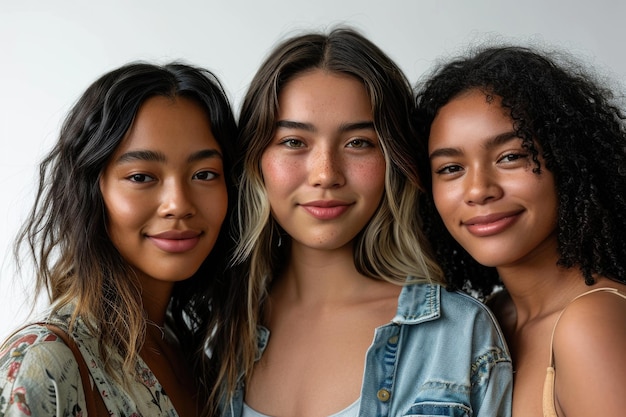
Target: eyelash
pixel 506 158
pixel 212 174
pixel 297 143
pixel 135 178
pixel 290 142
pixel 516 155
pixel 145 178
pixel 364 143
pixel 446 169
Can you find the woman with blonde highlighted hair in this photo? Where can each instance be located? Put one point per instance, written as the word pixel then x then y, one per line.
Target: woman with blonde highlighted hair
pixel 345 311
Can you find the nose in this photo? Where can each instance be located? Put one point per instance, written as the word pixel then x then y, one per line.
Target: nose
pixel 176 202
pixel 326 169
pixel 482 187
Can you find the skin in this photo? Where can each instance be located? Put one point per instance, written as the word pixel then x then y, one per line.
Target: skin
pixel 165 198
pixel 504 215
pixel 324 174
pixel 508 215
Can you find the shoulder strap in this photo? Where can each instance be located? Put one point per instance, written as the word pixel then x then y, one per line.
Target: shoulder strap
pixel 604 289
pixel 549 409
pixel 95 404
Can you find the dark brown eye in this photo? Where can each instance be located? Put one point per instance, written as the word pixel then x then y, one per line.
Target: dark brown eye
pixel 140 178
pixel 205 175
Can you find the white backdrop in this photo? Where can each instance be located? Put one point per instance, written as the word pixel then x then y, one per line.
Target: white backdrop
pixel 50 51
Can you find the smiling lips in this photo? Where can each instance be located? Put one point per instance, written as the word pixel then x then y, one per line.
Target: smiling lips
pixel 491 224
pixel 175 241
pixel 326 209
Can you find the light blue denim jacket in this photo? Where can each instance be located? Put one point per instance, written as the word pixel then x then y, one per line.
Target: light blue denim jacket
pixel 442 355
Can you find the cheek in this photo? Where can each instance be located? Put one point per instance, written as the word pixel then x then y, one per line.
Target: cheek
pixel 215 206
pixel 544 194
pixel 123 210
pixel 121 226
pixel 280 173
pixel 121 220
pixel 441 197
pixel 375 171
pixel 370 174
pixel 447 200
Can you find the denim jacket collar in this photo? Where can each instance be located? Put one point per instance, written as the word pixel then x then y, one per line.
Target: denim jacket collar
pixel 418 303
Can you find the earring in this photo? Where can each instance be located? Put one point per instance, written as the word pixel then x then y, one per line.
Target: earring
pixel 280 241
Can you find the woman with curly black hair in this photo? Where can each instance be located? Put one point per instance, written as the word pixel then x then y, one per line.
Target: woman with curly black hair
pixel 526 171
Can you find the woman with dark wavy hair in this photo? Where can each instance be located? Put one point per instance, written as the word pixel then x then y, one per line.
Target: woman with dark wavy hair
pixel 126 236
pixel 526 172
pixel 343 310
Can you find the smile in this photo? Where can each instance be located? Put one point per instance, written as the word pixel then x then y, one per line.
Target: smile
pixel 491 224
pixel 325 210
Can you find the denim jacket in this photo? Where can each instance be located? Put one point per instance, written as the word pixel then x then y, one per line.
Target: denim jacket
pixel 442 355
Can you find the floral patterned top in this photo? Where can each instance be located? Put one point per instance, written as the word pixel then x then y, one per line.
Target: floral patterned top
pixel 39 376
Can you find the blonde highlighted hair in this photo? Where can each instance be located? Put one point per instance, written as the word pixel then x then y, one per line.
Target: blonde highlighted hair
pixel 391 247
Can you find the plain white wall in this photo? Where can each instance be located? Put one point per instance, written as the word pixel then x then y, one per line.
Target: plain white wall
pixel 50 51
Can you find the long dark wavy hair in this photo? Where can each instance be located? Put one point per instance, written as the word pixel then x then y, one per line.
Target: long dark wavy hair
pixel 65 233
pixel 578 124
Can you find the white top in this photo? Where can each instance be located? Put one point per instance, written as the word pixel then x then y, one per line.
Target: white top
pixel 351 411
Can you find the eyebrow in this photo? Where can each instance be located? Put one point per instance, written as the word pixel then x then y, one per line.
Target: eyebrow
pixel 204 154
pixel 309 127
pixel 494 142
pixel 152 156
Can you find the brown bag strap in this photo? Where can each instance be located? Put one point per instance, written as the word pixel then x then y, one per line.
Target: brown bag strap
pixel 95 403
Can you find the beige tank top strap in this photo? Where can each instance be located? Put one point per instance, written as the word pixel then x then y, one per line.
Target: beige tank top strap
pixel 549 409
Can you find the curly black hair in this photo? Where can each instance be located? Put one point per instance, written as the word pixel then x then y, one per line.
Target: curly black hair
pixel 579 127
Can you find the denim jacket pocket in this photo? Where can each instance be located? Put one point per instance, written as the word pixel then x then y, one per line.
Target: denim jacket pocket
pixel 430 409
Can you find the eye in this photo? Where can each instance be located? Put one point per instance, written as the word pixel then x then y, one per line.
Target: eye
pixel 513 157
pixel 292 143
pixel 449 169
pixel 360 143
pixel 205 175
pixel 140 178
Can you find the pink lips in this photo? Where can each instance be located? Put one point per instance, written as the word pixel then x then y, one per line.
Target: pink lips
pixel 326 209
pixel 491 224
pixel 175 241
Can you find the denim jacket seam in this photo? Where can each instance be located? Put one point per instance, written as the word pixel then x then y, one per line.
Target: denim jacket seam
pixel 483 365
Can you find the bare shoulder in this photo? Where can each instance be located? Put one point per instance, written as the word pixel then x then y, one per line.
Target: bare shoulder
pixel 593 320
pixel 589 355
pixel 609 305
pixel 593 314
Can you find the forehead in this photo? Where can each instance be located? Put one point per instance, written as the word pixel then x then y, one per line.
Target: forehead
pixel 171 125
pixel 318 90
pixel 469 116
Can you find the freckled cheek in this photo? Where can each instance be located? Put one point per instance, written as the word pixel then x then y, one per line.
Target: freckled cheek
pixel 374 172
pixel 371 173
pixel 281 174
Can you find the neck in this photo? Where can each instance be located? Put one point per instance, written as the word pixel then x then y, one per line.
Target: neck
pixel 540 289
pixel 156 298
pixel 321 277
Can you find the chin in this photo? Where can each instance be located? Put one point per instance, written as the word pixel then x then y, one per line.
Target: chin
pixel 489 260
pixel 175 276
